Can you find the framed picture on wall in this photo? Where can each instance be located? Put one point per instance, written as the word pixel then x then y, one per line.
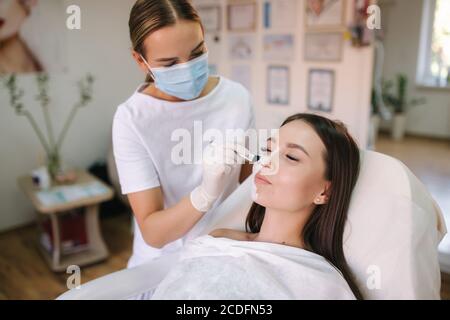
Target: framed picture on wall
pixel 321 90
pixel 278 82
pixel 323 15
pixel 241 46
pixel 241 15
pixel 280 14
pixel 323 46
pixel 211 17
pixel 278 47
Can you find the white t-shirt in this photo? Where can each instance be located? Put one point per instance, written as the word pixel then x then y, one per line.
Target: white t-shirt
pixel 142 144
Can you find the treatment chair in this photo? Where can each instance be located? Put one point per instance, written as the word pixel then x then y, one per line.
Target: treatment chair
pixel 390 240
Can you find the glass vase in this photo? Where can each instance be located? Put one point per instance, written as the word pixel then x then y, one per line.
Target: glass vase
pixel 54 165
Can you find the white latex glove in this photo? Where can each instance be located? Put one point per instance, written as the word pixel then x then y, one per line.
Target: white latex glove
pixel 218 163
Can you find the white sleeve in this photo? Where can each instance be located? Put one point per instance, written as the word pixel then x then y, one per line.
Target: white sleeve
pixel 135 166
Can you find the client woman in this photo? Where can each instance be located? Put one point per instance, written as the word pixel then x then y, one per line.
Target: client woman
pixel 294 245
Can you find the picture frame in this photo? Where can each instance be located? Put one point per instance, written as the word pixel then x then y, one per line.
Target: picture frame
pixel 242 15
pixel 211 16
pixel 323 47
pixel 325 15
pixel 278 85
pixel 280 14
pixel 321 83
pixel 241 46
pixel 279 47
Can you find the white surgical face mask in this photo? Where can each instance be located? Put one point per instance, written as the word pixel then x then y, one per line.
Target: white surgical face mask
pixel 185 81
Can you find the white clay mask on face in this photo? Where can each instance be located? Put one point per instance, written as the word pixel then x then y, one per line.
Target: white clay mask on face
pixel 257 166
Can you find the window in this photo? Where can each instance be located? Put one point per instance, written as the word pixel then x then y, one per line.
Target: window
pixel 434 56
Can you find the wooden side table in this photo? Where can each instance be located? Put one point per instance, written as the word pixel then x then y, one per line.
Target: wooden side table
pixel 96 250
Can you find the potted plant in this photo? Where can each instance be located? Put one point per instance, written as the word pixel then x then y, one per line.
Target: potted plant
pixel 399 102
pixel 52 145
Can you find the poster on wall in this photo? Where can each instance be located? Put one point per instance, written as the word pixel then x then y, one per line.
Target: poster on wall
pixel 280 14
pixel 321 90
pixel 242 15
pixel 23 49
pixel 325 15
pixel 210 15
pixel 242 47
pixel 279 47
pixel 323 47
pixel 278 85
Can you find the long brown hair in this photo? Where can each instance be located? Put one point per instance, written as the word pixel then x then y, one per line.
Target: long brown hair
pixel 148 16
pixel 323 232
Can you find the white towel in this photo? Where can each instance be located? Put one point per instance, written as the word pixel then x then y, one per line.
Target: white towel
pixel 220 268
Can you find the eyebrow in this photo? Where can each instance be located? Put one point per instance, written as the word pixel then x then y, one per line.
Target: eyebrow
pixel 175 58
pixel 294 146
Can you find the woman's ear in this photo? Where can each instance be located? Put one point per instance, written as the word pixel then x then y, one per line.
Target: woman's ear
pixel 324 196
pixel 137 57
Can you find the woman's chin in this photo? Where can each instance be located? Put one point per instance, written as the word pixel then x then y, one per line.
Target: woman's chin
pixel 259 198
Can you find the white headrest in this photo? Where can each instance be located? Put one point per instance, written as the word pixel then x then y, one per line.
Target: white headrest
pixel 392 233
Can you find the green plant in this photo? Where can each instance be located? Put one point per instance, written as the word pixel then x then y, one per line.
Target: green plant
pixel 399 100
pixel 51 145
pixel 374 103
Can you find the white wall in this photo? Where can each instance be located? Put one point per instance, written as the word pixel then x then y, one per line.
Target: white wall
pixel 402 24
pixel 353 77
pixel 102 48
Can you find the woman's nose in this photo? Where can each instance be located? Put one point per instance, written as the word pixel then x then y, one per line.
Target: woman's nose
pixel 269 163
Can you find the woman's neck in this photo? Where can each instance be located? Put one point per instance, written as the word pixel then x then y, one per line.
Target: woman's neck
pixel 283 227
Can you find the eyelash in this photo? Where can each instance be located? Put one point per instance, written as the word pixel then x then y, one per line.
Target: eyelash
pixel 287 156
pixel 194 56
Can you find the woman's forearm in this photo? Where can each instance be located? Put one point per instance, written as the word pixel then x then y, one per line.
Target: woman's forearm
pixel 164 226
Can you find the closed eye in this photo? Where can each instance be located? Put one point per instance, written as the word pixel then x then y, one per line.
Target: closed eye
pixel 172 64
pixel 196 55
pixel 287 156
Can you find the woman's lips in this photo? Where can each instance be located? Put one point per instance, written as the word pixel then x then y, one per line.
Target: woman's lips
pixel 2 22
pixel 261 179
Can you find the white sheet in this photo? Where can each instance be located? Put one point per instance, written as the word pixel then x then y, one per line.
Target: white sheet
pixel 219 268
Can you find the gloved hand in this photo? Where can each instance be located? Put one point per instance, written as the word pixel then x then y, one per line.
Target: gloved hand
pixel 218 162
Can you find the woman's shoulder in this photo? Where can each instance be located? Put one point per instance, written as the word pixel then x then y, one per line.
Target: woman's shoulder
pixel 232 234
pixel 136 108
pixel 235 86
